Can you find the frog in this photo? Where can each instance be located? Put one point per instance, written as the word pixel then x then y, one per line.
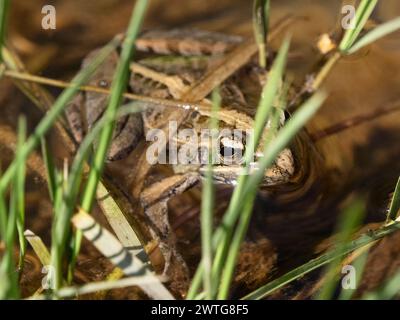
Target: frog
pixel 169 63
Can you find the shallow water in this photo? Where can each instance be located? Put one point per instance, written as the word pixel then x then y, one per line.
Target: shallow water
pixel 290 221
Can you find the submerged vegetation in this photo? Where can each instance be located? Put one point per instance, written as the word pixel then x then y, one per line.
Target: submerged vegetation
pixel 74 189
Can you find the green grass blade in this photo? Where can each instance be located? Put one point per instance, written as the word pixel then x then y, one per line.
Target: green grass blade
pixel 3 215
pixel 19 190
pixel 233 253
pixel 261 11
pixel 112 249
pixel 322 260
pixel 245 216
pixel 76 242
pixel 394 208
pixel 362 16
pixel 67 206
pixel 38 247
pixel 389 290
pixel 4 5
pixel 263 113
pixel 57 249
pixel 47 122
pixel 119 223
pixel 5 280
pixel 350 219
pixel 286 134
pixel 15 217
pixel 50 169
pixel 268 97
pixel 117 89
pixel 272 150
pixel 379 32
pixel 223 233
pixel 363 13
pixel 95 287
pixel 207 207
pixel 359 266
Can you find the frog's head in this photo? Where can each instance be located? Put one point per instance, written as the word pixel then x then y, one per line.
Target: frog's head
pixel 228 147
pixel 231 160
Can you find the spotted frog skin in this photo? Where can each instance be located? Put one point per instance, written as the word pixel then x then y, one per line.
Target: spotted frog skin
pixel 171 61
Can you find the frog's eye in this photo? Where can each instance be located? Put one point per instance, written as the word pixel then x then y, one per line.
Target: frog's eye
pixel 103 83
pixel 231 151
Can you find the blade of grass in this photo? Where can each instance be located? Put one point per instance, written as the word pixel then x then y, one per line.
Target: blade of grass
pixel 38 247
pixel 75 245
pixel 359 266
pixel 366 8
pixel 3 215
pixel 223 233
pixel 394 208
pixel 389 290
pixel 16 211
pixel 233 253
pixel 100 286
pixel 111 248
pixel 261 10
pixel 47 122
pixel 262 116
pixel 364 11
pixel 377 33
pixel 37 95
pixel 118 87
pixel 50 169
pixel 245 217
pixel 57 249
pixel 118 222
pixel 115 275
pixel 11 289
pixel 271 151
pixel 19 191
pixel 322 260
pixel 5 280
pixel 4 5
pixel 44 104
pixel 351 218
pixel 68 197
pixel 207 207
pixel 300 117
pixel 285 135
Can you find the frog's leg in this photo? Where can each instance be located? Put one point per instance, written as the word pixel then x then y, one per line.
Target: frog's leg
pixel 127 138
pixel 154 200
pixel 187 42
pixel 73 114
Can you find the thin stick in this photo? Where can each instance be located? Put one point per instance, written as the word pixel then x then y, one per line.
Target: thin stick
pixel 356 121
pixel 129 96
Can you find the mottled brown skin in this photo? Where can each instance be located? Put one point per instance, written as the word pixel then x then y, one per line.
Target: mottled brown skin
pixel 238 98
pixel 87 108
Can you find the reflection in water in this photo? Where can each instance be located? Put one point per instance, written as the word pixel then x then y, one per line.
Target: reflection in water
pixel 387 10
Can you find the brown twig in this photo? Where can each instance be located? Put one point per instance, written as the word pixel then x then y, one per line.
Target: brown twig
pixel 356 120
